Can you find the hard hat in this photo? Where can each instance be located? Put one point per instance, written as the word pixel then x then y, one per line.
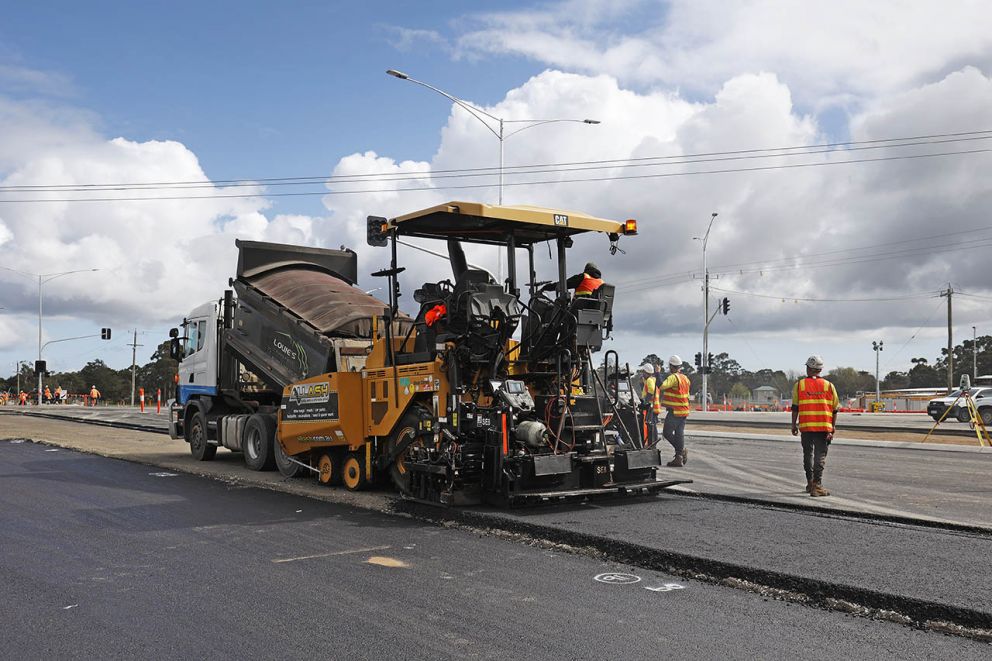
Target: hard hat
pixel 647 368
pixel 675 361
pixel 815 362
pixel 592 269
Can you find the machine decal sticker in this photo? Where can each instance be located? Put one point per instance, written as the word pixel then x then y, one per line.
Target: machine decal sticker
pixel 310 402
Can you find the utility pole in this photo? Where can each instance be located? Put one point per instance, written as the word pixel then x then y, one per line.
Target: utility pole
pixel 950 339
pixel 974 354
pixel 134 356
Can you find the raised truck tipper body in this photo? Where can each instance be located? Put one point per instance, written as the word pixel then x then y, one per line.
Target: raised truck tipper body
pixel 485 395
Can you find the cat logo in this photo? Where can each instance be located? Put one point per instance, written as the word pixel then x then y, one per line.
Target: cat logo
pixel 561 219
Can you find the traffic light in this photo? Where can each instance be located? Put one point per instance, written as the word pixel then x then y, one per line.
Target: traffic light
pixel 709 359
pixel 104 333
pixel 699 359
pixel 376 235
pixel 725 304
pixel 40 367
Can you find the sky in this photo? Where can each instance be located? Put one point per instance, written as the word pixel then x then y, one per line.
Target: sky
pixel 705 106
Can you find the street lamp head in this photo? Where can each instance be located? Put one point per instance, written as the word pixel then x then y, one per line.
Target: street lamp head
pixel 591 121
pixel 714 214
pixel 397 74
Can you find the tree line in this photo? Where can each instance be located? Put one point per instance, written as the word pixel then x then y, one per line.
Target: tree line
pixel 114 385
pixel 730 379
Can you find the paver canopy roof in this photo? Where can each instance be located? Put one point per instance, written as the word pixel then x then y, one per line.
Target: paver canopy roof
pixel 485 223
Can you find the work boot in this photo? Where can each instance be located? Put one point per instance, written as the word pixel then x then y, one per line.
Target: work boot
pixel 676 462
pixel 818 489
pixel 685 456
pixel 809 486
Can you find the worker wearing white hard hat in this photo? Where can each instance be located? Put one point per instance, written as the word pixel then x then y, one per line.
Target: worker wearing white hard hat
pixel 675 397
pixel 814 418
pixel 650 404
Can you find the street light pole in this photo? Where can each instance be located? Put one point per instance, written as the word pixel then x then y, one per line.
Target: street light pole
pixel 501 136
pixel 706 316
pixel 43 278
pixel 877 346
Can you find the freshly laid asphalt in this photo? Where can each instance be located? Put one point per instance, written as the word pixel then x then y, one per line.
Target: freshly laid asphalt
pixel 109 559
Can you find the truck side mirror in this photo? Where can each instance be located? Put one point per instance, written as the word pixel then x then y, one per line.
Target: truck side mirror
pixel 173 332
pixel 175 349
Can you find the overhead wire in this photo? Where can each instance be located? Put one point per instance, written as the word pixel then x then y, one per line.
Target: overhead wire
pixel 853 145
pixel 575 166
pixel 545 182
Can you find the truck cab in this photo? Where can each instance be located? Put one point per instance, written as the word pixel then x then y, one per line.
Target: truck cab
pixel 198 367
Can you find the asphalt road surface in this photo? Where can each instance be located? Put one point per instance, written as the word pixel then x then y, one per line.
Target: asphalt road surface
pixel 108 559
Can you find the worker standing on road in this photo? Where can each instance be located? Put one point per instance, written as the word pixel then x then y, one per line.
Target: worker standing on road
pixel 94 395
pixel 22 399
pixel 650 403
pixel 675 397
pixel 814 417
pixel 48 395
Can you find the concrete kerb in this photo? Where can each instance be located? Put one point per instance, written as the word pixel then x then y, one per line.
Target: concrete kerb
pixel 809 591
pixel 895 445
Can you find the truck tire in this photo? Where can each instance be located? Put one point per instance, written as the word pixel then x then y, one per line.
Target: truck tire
pixel 407 427
pixel 259 436
pixel 287 468
pixel 196 433
pixel 986 414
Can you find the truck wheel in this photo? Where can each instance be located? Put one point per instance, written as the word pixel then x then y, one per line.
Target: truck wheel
pixel 199 446
pixel 353 471
pixel 260 432
pixel 398 470
pixel 986 416
pixel 329 465
pixel 287 468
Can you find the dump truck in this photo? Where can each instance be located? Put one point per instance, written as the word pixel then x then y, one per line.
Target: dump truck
pixel 487 394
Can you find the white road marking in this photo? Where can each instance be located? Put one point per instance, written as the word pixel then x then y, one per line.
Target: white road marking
pixel 667 587
pixel 65 608
pixel 328 555
pixel 615 578
pixel 164 474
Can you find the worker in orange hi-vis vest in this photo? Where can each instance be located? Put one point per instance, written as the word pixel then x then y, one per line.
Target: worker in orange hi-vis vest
pixel 675 397
pixel 814 418
pixel 587 282
pixel 94 395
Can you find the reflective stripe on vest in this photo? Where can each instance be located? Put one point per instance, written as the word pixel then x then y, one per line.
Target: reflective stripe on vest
pixel 677 398
pixel 816 405
pixel 588 285
pixel 649 393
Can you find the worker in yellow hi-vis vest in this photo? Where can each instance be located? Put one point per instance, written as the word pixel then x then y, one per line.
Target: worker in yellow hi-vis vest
pixel 675 397
pixel 814 417
pixel 650 404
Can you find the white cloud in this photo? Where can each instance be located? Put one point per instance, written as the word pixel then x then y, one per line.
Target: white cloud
pixel 764 216
pixel 156 258
pixel 825 52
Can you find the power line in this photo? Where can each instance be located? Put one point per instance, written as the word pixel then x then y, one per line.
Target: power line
pixel 546 182
pixel 321 179
pixel 906 297
pixel 575 166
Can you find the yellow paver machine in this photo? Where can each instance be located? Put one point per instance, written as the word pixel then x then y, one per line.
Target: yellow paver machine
pixel 489 394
